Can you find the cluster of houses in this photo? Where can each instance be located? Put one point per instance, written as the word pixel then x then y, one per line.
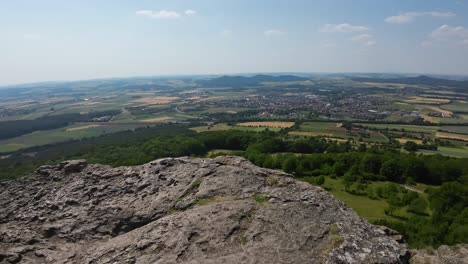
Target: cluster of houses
pixel 302 104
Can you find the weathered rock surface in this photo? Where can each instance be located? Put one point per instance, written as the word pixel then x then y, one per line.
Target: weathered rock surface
pixel 183 210
pixel 443 255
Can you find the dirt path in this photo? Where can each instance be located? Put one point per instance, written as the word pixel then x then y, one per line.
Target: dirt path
pixel 412 189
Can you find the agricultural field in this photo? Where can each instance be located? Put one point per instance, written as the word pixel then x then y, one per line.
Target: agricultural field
pixel 456 107
pixel 311 134
pixel 256 129
pixel 215 127
pixel 409 128
pixel 456 129
pixel 404 140
pixel 426 100
pixel 458 152
pixel 77 131
pixel 157 119
pixel 438 109
pixel 157 100
pixel 248 105
pixel 272 124
pixel 456 135
pixel 446 135
pixel 333 130
pixel 224 127
pixel 400 133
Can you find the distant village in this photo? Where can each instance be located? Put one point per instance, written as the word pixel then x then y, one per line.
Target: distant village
pixel 357 106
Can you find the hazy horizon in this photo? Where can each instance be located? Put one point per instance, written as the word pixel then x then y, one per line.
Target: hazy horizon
pixel 53 40
pixel 202 75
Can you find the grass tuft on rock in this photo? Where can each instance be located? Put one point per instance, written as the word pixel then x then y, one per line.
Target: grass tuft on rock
pixel 261 199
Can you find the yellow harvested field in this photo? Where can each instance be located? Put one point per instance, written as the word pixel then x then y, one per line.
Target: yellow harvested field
pixel 317 134
pixel 438 109
pixel 157 119
pixel 202 99
pixel 267 124
pixel 452 136
pixel 81 128
pixel 156 100
pixel 337 139
pixel 442 92
pixel 431 119
pixel 404 140
pixel 427 100
pixel 309 134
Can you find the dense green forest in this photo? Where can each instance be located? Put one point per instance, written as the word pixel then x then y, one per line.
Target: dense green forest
pixel 437 217
pixel 448 223
pixel 324 157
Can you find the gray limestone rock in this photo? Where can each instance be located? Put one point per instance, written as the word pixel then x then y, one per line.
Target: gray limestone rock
pixel 443 255
pixel 182 210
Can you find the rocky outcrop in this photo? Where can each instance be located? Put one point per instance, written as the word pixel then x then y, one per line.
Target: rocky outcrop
pixel 443 255
pixel 182 210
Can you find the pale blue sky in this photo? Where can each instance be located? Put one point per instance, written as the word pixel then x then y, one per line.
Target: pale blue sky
pixel 45 40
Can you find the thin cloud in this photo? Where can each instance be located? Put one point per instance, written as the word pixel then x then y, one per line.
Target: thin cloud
pixel 342 28
pixel 190 12
pixel 440 14
pixel 365 39
pixel 362 37
pixel 163 14
pixel 273 33
pixel 446 34
pixel 409 17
